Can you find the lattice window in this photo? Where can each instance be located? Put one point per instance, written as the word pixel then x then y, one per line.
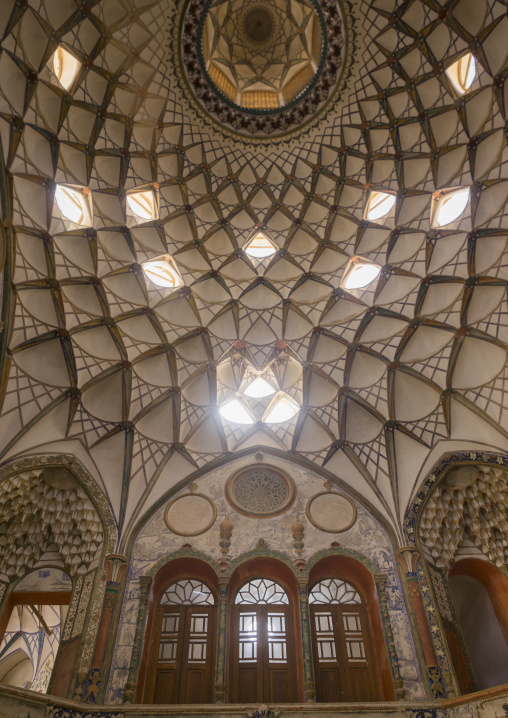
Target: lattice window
pixel 248 637
pixel 333 590
pixel 354 638
pixel 260 591
pixel 277 642
pixel 169 638
pixel 188 593
pixel 198 638
pixel 325 637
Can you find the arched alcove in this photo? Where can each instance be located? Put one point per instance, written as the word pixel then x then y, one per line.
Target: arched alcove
pixel 171 671
pixel 265 657
pixel 361 579
pixel 55 522
pixel 480 596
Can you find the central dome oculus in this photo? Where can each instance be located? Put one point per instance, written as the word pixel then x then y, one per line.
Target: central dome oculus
pixel 261 66
pixel 261 56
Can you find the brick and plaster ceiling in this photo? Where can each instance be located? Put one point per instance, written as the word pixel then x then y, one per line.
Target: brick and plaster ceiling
pixel 129 376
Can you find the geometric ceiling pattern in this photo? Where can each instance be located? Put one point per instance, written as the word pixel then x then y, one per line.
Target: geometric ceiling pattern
pixel 125 372
pixel 262 48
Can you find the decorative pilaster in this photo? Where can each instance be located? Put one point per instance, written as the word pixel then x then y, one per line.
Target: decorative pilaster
pixel 144 591
pixel 115 566
pixel 220 676
pixel 407 558
pixel 380 580
pixel 309 686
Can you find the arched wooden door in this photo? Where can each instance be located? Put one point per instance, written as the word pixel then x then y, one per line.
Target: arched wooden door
pixel 182 660
pixel 263 664
pixel 343 661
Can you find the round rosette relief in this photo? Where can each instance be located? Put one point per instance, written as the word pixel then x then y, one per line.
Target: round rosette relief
pixel 260 491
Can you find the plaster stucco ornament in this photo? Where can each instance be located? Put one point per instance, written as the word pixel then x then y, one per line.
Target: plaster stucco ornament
pixel 466 515
pixel 260 68
pixel 190 514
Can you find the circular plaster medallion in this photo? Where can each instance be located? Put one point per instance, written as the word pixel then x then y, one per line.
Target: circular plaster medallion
pixel 260 491
pixel 262 67
pixel 331 512
pixel 190 514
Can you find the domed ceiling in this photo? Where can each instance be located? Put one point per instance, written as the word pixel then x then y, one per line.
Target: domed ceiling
pixel 129 376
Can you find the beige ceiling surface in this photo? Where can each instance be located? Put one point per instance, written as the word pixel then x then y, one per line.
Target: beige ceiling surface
pixel 103 362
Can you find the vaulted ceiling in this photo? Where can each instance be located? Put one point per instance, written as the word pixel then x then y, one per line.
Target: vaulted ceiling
pixel 103 364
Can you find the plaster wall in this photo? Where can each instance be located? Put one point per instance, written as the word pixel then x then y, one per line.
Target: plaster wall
pixel 366 537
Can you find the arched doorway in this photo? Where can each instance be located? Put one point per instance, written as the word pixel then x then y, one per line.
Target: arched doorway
pixel 181 664
pixel 480 596
pixel 263 666
pixel 178 659
pixel 342 645
pixel 352 662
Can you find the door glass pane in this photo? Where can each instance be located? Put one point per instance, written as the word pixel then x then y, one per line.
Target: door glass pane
pixel 248 639
pixel 261 591
pixel 354 638
pixel 333 590
pixel 276 625
pixel 189 592
pixel 324 636
pixel 198 628
pixel 169 637
pixel 167 651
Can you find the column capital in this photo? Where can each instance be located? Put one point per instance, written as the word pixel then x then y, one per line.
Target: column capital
pixel 380 581
pixel 116 566
pixel 407 558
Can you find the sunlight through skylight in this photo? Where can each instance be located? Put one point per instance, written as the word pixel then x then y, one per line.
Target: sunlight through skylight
pixel 66 67
pixel 462 73
pixel 163 272
pixel 259 388
pixel 361 275
pixel 379 205
pixel 143 204
pixel 260 246
pixel 450 206
pixel 283 408
pixel 235 411
pixel 74 204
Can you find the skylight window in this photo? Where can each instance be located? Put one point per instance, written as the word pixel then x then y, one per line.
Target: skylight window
pixel 74 204
pixel 260 246
pixel 462 73
pixel 237 412
pixel 281 409
pixel 448 206
pixel 143 204
pixel 259 388
pixel 379 205
pixel 163 272
pixel 66 67
pixel 359 273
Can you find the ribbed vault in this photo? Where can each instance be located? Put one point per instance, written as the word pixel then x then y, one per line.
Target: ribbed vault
pixel 100 355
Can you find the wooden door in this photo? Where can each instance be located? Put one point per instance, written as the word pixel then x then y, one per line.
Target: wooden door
pixel 343 661
pixel 181 669
pixel 263 665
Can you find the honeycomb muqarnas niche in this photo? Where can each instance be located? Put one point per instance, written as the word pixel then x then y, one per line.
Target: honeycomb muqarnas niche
pixel 366 144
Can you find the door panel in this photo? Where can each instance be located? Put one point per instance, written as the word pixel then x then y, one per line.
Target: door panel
pixel 263 667
pixel 343 660
pixel 181 669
